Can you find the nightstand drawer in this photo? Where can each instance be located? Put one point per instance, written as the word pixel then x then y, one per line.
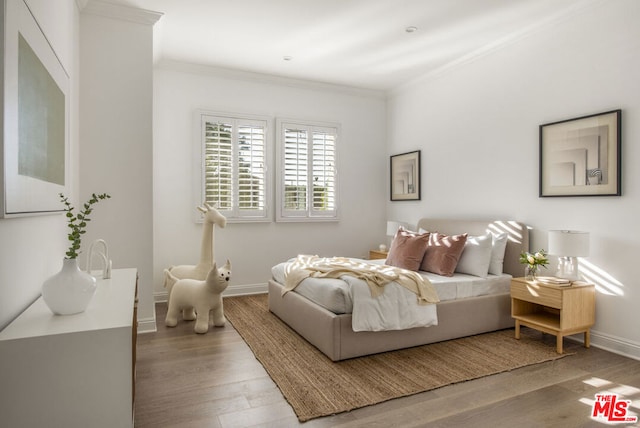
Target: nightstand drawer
pixel 537 293
pixel 376 254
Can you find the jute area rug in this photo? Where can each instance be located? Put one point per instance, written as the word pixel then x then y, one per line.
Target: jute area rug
pixel 315 386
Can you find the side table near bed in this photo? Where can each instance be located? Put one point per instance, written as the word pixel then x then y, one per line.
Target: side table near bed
pixel 377 254
pixel 553 309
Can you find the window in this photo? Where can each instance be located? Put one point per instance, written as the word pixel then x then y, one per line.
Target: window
pixel 234 159
pixel 307 172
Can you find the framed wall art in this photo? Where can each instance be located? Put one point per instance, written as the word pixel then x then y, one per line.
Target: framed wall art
pixel 582 156
pixel 405 177
pixel 35 117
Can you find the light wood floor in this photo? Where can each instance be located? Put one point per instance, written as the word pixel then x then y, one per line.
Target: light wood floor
pixel 213 380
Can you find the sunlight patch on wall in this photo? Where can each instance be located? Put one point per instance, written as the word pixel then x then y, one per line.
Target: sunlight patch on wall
pixel 605 283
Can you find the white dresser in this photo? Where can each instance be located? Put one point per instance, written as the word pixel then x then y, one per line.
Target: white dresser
pixel 72 370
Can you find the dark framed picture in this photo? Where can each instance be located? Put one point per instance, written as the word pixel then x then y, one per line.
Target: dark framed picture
pixel 582 156
pixel 405 176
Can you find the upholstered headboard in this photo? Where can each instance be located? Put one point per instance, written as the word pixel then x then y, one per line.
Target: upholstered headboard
pixel 518 236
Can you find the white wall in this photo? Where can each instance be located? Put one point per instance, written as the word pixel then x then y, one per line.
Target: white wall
pixel 254 248
pixel 477 127
pixel 116 133
pixel 32 248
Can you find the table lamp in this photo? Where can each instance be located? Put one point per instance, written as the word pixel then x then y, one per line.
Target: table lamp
pixel 568 245
pixel 392 228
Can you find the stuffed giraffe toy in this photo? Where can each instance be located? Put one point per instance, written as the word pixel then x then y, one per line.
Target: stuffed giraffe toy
pixel 212 217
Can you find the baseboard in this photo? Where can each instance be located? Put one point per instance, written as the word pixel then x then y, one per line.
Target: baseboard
pixel 615 344
pixel 147 325
pixel 241 290
pixel 232 290
pixel 160 296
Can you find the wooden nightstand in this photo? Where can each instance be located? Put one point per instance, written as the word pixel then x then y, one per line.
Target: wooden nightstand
pixel 377 254
pixel 552 309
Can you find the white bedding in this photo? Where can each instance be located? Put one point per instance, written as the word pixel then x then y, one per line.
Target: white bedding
pixel 337 295
pixel 396 308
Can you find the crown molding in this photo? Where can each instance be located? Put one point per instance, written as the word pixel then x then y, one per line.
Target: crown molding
pixel 119 11
pixel 234 74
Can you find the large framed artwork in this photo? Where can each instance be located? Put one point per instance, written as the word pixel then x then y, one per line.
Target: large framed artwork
pixel 582 156
pixel 35 117
pixel 405 176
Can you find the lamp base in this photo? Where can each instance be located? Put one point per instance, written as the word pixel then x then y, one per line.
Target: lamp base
pixel 568 268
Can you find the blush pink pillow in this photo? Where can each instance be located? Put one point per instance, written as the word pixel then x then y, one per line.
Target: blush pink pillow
pixel 443 253
pixel 407 249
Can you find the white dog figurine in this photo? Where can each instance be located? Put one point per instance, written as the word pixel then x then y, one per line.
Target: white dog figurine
pixel 202 296
pixel 212 217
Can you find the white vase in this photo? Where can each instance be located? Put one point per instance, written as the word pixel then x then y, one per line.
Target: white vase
pixel 70 290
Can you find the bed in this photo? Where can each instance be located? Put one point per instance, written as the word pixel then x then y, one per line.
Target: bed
pixel 334 336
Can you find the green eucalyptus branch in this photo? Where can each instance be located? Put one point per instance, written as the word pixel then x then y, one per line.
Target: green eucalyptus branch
pixel 78 222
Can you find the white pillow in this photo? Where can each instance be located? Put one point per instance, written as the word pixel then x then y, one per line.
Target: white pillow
pixel 476 256
pixel 497 253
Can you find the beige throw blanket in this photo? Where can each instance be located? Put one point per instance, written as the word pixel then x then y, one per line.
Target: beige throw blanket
pixel 376 276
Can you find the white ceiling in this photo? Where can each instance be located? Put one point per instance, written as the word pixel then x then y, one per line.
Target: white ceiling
pixel 360 43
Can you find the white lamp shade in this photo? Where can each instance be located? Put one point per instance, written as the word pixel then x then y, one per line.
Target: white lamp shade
pixel 392 227
pixel 568 243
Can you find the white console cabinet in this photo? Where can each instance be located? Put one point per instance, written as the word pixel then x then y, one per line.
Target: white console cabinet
pixel 72 370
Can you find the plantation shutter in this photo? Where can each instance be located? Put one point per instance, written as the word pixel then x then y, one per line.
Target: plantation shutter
pixel 218 167
pixel 324 172
pixel 295 170
pixel 251 169
pixel 309 175
pixel 235 166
